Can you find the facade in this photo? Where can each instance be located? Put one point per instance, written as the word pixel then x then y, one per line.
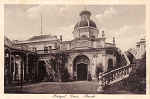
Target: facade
pixel 85 53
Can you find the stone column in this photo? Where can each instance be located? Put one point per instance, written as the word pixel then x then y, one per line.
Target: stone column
pixel 14 68
pixel 23 70
pixel 19 69
pixel 10 63
pixel 9 72
pixel 70 65
pixel 93 65
pixel 37 62
pixel 27 65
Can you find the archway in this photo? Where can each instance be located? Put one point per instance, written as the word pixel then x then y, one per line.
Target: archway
pixel 80 67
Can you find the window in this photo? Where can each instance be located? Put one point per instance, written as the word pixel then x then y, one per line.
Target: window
pixel 45 49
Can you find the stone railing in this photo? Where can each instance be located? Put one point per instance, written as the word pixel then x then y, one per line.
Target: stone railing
pixel 114 76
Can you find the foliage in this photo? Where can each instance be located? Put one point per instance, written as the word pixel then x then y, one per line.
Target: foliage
pixel 137 78
pixel 65 75
pixel 130 57
pixel 58 65
pixel 120 60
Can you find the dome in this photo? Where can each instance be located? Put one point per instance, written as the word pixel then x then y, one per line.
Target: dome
pixel 85 12
pixel 85 23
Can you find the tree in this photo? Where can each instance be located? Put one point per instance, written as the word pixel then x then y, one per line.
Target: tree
pixel 136 81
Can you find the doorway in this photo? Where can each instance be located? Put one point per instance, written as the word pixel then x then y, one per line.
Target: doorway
pixel 82 71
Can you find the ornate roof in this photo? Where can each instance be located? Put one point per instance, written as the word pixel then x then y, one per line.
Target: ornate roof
pixel 86 21
pixel 85 12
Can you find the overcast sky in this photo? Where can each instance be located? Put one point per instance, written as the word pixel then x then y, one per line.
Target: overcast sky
pixel 124 22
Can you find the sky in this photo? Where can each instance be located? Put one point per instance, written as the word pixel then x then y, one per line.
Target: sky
pixel 124 22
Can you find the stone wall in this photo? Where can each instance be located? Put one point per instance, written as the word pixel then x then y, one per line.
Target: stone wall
pixel 95 59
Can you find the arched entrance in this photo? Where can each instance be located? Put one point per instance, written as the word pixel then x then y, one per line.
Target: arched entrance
pixel 80 67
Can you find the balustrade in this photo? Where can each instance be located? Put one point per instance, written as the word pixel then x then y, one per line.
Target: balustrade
pixel 114 76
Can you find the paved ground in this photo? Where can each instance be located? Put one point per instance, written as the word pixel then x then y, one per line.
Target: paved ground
pixel 76 87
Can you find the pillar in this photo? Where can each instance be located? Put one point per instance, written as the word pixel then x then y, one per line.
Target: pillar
pixel 37 62
pixel 94 67
pixel 93 63
pixel 23 70
pixel 27 66
pixel 9 72
pixel 14 68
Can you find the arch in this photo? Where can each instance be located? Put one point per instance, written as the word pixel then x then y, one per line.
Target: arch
pixel 80 67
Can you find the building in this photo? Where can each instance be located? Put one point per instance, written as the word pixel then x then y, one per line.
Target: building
pixel 140 49
pixel 84 54
pixel 19 63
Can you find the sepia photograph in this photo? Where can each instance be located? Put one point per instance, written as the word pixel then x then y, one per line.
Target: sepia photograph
pixel 74 49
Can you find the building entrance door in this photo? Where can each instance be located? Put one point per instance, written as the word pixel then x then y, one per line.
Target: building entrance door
pixel 82 71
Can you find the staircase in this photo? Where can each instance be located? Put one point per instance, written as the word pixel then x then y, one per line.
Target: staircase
pixel 116 75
